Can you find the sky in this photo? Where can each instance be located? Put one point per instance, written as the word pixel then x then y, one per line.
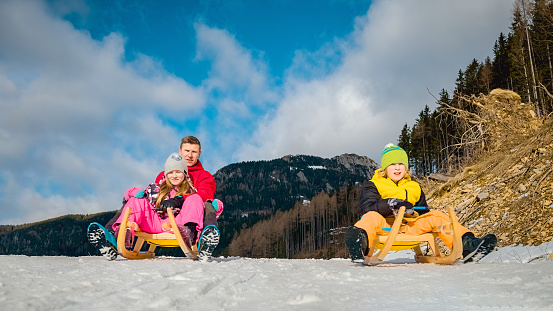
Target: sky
pixel 511 278
pixel 96 94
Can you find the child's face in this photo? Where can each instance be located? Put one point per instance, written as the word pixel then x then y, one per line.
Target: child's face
pixel 175 177
pixel 396 171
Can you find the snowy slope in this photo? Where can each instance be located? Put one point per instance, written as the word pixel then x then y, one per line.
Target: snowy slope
pixel 515 278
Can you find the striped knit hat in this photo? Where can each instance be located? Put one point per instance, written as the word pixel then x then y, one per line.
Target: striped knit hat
pixel 393 154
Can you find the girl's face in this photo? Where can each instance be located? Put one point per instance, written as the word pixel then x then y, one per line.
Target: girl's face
pixel 175 177
pixel 396 171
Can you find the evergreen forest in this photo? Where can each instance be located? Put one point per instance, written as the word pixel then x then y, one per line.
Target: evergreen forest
pixel 447 138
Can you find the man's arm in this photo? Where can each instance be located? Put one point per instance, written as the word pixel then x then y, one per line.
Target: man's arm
pixel 205 184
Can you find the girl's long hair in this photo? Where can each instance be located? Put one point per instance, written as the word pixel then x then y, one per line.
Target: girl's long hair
pixel 165 189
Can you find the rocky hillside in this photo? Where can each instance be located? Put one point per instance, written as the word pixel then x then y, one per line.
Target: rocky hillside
pixel 508 190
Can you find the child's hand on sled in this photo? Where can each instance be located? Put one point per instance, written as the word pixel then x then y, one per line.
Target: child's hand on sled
pixel 395 204
pixel 169 203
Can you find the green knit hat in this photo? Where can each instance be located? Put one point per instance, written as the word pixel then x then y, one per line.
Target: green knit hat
pixel 393 154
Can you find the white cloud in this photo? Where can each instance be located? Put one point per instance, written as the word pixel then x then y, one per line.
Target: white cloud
pixel 240 91
pixel 397 50
pixel 233 67
pixel 78 124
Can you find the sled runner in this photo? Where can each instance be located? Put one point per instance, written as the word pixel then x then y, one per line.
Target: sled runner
pixel 166 239
pixel 394 240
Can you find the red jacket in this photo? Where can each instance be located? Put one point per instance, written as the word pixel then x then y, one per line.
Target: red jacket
pixel 201 179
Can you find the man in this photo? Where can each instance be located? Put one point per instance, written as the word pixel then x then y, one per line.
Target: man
pixel 191 149
pixel 204 183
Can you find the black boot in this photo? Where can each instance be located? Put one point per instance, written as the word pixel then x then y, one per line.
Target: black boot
pixel 475 249
pixel 356 242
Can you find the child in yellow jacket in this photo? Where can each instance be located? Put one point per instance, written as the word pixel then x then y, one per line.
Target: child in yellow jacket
pixel 392 187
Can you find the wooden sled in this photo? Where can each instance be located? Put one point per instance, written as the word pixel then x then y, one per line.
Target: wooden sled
pixel 166 239
pixel 396 241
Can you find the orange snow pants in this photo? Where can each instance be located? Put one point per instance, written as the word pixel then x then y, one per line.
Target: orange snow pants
pixel 372 222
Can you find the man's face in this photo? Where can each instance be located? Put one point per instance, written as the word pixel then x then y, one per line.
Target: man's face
pixel 190 153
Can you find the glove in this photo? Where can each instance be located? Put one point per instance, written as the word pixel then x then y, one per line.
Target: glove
pixel 169 203
pixel 395 204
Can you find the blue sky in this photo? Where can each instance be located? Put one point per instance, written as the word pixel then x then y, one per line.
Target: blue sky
pixel 95 94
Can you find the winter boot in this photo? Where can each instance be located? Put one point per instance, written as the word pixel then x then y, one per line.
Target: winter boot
pixel 356 242
pixel 475 249
pixel 129 236
pixel 208 242
pixel 102 240
pixel 188 233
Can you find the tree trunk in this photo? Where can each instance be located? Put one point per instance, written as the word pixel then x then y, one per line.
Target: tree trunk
pixel 550 67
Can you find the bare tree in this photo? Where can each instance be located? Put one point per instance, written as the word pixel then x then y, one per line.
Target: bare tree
pixel 522 9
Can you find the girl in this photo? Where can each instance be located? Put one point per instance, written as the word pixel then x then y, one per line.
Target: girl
pixel 390 188
pixel 149 208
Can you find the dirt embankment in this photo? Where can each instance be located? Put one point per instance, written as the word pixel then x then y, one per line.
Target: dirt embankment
pixel 508 190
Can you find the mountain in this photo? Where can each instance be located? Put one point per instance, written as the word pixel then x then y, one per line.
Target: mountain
pixel 267 186
pixel 254 191
pixel 61 236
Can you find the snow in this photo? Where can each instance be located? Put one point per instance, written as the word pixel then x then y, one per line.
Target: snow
pixel 513 277
pixel 317 167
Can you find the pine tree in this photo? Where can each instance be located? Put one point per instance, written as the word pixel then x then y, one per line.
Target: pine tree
pixel 500 64
pixel 404 140
pixel 472 79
